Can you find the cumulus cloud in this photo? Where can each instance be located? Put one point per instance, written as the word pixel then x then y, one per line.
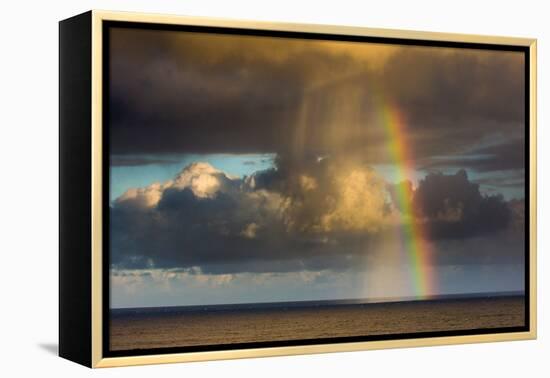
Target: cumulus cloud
pixel 327 195
pixel 322 214
pixel 203 216
pixel 455 208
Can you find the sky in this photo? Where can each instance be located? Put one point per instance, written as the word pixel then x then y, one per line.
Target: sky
pixel 263 169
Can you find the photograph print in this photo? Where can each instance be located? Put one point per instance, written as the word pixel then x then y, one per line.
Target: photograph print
pixel 274 188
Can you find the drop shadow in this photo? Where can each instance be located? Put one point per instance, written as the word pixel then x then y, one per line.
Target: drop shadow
pixel 51 348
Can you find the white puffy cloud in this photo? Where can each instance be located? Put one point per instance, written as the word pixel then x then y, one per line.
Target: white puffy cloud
pixel 202 178
pixel 143 197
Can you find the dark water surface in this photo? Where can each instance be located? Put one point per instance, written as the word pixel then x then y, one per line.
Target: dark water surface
pixel 163 327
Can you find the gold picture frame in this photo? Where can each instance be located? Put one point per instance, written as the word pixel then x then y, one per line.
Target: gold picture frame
pixel 91 329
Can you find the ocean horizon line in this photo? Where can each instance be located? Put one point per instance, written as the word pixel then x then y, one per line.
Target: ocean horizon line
pixel 320 302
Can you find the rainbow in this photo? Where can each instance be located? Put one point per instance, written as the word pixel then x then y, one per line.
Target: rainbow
pixel 413 232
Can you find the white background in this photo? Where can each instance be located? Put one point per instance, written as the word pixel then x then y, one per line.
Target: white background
pixel 29 186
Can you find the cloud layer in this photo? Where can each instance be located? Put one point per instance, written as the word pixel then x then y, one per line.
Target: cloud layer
pixel 201 93
pixel 324 214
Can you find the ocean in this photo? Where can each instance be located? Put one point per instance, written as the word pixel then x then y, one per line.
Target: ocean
pixel 169 327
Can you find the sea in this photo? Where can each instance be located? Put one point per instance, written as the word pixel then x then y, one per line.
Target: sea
pixel 134 329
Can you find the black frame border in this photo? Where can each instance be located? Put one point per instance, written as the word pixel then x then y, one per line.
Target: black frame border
pixel 106 25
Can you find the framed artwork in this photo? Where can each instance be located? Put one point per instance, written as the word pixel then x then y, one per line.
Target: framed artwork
pixel 235 189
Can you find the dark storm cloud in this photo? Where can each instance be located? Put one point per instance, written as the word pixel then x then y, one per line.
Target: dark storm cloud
pixel 201 92
pixel 457 84
pixel 182 92
pixel 321 215
pixel 455 208
pixel 455 100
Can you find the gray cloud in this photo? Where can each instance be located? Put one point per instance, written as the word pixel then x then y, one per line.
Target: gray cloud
pixel 455 208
